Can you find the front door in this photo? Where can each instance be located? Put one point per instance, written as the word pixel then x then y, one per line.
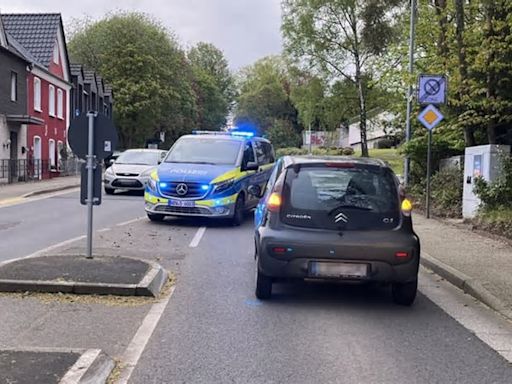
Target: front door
pixel 37 158
pixel 13 157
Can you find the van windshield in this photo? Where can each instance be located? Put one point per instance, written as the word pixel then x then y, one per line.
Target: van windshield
pixel 204 151
pixel 341 198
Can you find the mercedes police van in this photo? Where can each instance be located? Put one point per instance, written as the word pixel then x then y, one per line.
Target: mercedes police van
pixel 208 174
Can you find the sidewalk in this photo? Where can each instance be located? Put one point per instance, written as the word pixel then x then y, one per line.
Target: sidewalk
pixel 477 264
pixel 21 190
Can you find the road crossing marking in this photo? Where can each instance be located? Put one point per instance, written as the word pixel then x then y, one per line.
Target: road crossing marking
pixel 197 237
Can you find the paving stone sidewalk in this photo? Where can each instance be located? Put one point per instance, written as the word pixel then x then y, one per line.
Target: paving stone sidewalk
pixel 19 190
pixel 483 260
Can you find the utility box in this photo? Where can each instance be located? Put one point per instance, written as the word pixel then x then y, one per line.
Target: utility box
pixel 480 161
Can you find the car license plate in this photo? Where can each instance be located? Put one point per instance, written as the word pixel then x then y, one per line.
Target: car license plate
pixel 347 270
pixel 182 203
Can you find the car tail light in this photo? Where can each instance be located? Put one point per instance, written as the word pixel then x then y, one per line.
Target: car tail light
pixel 401 255
pixel 406 207
pixel 279 250
pixel 274 202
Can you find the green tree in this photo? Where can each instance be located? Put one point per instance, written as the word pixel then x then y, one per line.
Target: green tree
pixel 340 37
pixel 148 72
pixel 264 95
pixel 214 85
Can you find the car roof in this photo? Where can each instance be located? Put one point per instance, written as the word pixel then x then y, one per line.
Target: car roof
pixel 145 150
pixel 222 135
pixel 302 160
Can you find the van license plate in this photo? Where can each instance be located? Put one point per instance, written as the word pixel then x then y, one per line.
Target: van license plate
pixel 346 270
pixel 182 203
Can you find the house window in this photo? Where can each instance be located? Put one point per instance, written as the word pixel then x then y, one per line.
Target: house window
pixel 51 153
pixel 37 94
pixel 51 101
pixel 14 86
pixel 60 104
pixel 56 53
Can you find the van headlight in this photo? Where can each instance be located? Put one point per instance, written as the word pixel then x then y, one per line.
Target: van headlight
pixel 223 185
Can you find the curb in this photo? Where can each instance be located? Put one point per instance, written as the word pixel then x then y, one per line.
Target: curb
pixel 93 365
pixel 49 190
pixel 150 285
pixel 466 283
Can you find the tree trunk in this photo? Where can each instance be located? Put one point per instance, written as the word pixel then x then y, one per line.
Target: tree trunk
pixel 440 6
pixel 469 136
pixel 362 111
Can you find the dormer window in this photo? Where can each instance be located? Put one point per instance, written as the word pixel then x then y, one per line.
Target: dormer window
pixel 56 53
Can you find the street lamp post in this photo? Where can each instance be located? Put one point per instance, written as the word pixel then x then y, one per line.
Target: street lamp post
pixel 408 135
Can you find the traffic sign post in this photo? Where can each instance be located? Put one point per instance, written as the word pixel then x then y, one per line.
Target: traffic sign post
pixel 430 117
pixel 92 137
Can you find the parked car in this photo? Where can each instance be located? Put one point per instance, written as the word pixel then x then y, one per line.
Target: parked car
pixel 207 174
pixel 112 158
pixel 132 170
pixel 335 218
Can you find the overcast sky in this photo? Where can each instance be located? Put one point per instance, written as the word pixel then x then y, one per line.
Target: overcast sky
pixel 245 30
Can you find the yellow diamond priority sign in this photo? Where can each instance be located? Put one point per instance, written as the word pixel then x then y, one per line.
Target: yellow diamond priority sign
pixel 430 117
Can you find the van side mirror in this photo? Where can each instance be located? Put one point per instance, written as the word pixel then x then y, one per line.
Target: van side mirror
pixel 251 166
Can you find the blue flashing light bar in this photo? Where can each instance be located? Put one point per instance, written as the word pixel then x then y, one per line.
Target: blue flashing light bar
pixel 224 133
pixel 241 133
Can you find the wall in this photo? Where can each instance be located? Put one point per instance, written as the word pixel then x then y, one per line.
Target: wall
pixel 375 129
pixel 9 62
pixel 54 128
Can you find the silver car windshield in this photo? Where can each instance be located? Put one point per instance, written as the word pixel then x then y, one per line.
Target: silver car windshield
pixel 139 158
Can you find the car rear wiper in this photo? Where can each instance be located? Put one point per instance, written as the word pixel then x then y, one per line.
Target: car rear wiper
pixel 349 206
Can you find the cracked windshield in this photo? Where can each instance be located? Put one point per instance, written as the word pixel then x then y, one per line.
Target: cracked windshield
pixel 256 191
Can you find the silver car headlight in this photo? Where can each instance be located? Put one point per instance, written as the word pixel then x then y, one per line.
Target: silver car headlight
pixel 109 171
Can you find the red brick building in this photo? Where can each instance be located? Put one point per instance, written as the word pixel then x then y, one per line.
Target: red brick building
pixel 48 85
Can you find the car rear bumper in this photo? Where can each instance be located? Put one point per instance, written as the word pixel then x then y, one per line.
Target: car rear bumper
pixel 306 247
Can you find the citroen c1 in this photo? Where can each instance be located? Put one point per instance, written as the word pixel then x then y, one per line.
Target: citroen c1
pixel 208 174
pixel 335 218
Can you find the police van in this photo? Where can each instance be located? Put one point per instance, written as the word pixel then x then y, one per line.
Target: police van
pixel 208 174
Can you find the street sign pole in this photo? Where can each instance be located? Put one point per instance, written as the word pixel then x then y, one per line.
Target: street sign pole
pixel 412 32
pixel 429 170
pixel 91 159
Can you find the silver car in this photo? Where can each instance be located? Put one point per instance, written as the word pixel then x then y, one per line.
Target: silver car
pixel 132 170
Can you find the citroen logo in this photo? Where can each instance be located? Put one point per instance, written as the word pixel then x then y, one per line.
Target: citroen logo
pixel 341 217
pixel 181 189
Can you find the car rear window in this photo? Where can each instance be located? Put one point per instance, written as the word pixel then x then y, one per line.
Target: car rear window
pixel 351 198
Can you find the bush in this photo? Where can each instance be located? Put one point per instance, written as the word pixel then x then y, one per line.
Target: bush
pixel 282 135
pixel 446 193
pixel 498 194
pixel 498 221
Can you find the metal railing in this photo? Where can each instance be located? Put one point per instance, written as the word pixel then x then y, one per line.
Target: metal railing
pixel 14 171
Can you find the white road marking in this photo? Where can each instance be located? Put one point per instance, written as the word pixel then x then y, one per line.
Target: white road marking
pixel 24 200
pixel 487 325
pixel 45 250
pixel 104 230
pixel 132 354
pixel 130 221
pixel 197 237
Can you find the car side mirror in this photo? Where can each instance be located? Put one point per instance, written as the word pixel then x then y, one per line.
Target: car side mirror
pixel 251 166
pixel 254 190
pixel 111 161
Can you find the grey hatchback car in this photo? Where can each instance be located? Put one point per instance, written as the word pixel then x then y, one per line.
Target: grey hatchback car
pixel 338 219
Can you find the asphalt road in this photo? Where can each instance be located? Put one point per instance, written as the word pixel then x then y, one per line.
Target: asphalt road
pixel 215 331
pixel 29 227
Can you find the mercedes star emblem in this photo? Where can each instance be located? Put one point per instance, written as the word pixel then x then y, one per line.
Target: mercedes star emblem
pixel 181 189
